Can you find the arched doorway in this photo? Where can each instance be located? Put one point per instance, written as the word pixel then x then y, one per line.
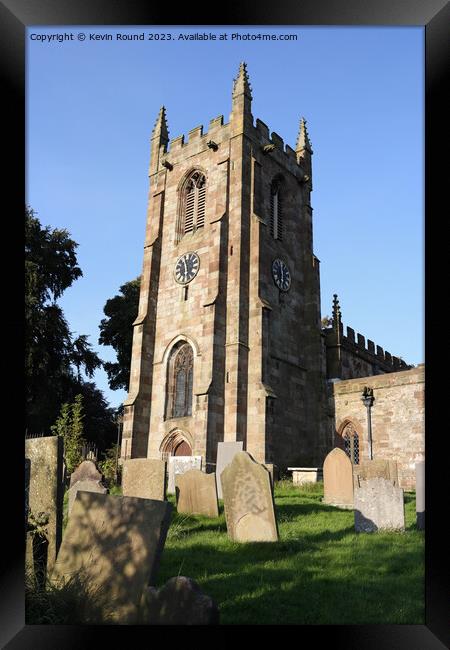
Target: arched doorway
pixel 176 443
pixel 182 449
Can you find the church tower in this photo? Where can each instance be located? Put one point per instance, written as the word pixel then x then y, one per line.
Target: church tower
pixel 227 344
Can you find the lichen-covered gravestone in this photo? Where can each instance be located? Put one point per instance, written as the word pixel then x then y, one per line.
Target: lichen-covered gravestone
pixel 179 602
pixel 378 505
pixel 45 496
pixel 197 493
pixel 179 465
pixel 338 479
pixel 144 478
pixel 420 494
pixel 113 545
pixel 248 500
pixel 225 454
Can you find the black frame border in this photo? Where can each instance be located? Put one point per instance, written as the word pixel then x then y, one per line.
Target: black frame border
pixel 434 15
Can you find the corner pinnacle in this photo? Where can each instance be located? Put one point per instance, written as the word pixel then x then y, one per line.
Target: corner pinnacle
pixel 241 83
pixel 160 129
pixel 303 142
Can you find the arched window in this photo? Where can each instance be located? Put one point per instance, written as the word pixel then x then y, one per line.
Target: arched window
pixel 351 442
pixel 193 204
pixel 180 376
pixel 276 209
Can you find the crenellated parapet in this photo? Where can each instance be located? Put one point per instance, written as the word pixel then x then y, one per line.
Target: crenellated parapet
pixel 350 355
pixel 166 154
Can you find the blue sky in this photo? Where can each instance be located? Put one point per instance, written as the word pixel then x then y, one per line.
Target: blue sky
pixel 91 107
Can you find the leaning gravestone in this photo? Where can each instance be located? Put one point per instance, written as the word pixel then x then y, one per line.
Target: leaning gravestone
pixel 179 465
pixel 45 496
pixel 144 478
pixel 84 486
pixel 86 471
pixel 225 454
pixel 376 468
pixel 197 493
pixel 179 602
pixel 378 505
pixel 113 545
pixel 338 479
pixel 248 500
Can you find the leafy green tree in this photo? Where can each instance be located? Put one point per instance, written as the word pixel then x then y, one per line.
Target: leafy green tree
pixel 116 330
pixel 69 425
pixel 52 355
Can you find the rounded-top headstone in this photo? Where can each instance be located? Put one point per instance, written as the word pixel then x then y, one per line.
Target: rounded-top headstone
pixel 338 479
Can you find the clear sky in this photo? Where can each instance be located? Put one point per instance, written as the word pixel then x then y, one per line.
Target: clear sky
pixel 92 104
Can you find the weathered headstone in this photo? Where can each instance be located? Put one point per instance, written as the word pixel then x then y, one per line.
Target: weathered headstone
pixel 376 468
pixel 248 500
pixel 197 493
pixel 84 486
pixel 27 488
pixel 420 495
pixel 86 471
pixel 113 545
pixel 225 454
pixel 45 497
pixel 179 602
pixel 144 478
pixel 378 505
pixel 179 465
pixel 338 479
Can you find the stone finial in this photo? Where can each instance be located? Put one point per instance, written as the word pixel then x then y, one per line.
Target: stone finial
pixel 303 143
pixel 160 129
pixel 337 317
pixel 241 83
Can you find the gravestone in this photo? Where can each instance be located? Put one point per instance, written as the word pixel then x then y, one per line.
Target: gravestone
pixel 144 478
pixel 197 493
pixel 248 500
pixel 84 486
pixel 420 495
pixel 113 545
pixel 179 465
pixel 378 505
pixel 225 454
pixel 338 479
pixel 45 499
pixel 86 471
pixel 179 602
pixel 27 488
pixel 376 468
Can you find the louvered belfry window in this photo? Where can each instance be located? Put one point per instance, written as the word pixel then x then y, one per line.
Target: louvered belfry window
pixel 276 210
pixel 180 378
pixel 194 203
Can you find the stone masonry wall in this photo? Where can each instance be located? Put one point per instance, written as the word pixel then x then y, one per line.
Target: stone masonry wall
pixel 398 424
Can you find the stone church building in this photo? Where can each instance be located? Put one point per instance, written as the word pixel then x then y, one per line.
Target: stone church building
pixel 228 344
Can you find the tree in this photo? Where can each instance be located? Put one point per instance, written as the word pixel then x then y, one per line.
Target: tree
pixel 116 330
pixel 69 426
pixel 51 353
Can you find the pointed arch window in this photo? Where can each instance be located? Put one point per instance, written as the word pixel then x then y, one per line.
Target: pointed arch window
pixel 276 209
pixel 193 201
pixel 351 443
pixel 180 378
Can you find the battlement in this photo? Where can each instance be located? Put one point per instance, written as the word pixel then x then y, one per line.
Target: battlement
pixel 353 345
pixel 359 344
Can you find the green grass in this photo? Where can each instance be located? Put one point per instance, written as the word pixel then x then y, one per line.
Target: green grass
pixel 320 572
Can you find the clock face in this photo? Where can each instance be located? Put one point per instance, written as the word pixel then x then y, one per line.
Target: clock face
pixel 186 268
pixel 281 275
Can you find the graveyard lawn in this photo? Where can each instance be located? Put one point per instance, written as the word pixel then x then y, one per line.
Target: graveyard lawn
pixel 320 572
